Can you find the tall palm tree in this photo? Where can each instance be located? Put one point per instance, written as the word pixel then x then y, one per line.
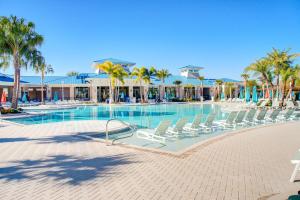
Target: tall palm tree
pixel 112 71
pixel 219 82
pixel 286 75
pixel 42 68
pixel 201 79
pixel 150 73
pixel 230 85
pixel 245 76
pixel 18 42
pixel 141 75
pixel 120 75
pixel 262 68
pixel 280 60
pixel 295 76
pixel 189 93
pixel 162 75
pixel 177 83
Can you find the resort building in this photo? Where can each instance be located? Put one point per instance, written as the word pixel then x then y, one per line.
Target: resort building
pixel 95 86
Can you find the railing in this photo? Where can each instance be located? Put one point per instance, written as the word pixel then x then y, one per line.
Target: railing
pixel 131 127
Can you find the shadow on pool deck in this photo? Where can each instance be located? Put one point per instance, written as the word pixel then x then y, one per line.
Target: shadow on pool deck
pixel 19 139
pixel 65 169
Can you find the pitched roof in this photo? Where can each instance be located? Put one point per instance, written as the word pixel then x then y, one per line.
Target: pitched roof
pixel 193 81
pixel 116 61
pixel 191 66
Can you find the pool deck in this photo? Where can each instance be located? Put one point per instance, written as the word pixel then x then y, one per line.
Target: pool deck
pixel 51 161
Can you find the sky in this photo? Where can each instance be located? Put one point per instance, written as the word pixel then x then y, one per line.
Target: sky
pixel 222 36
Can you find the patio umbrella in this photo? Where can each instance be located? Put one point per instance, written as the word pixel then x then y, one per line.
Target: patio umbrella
pixel 223 92
pixel 241 93
pixel 122 95
pixel 222 95
pixel 267 94
pixel 247 94
pixel 254 95
pixel 292 94
pixel 24 98
pixel 3 97
pixel 150 95
pixel 55 98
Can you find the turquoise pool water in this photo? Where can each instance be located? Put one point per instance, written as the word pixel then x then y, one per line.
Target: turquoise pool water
pixel 143 116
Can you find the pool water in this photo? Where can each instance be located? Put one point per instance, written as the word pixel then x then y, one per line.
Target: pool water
pixel 142 116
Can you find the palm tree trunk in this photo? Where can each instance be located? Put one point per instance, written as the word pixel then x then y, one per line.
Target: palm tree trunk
pixel 201 91
pixel 141 92
pixel 111 97
pixel 16 89
pixel 245 89
pixel 42 89
pixel 283 92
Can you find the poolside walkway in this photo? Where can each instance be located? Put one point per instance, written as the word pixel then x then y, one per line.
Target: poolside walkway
pixel 48 162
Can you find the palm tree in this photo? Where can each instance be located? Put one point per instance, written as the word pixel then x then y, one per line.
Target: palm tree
pixel 262 68
pixel 42 68
pixel 72 73
pixel 280 60
pixel 230 86
pixel 219 82
pixel 245 76
pixel 120 75
pixel 18 42
pixel 112 71
pixel 295 76
pixel 178 83
pixel 162 75
pixel 150 73
pixel 286 75
pixel 141 74
pixel 201 79
pixel 189 94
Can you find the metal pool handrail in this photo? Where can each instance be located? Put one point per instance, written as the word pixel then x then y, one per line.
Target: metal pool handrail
pixel 115 119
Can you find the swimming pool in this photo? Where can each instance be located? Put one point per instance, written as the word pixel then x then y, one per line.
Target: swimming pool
pixel 142 116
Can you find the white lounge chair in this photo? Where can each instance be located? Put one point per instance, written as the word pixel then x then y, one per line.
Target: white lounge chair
pixel 208 125
pixel 194 126
pixel 260 118
pixel 178 128
pixel 290 104
pixel 239 120
pixel 288 115
pixel 296 162
pixel 155 135
pixel 273 116
pixel 229 122
pixel 249 119
pixel 275 104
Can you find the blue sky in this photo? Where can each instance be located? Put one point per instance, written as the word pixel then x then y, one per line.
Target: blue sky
pixel 222 36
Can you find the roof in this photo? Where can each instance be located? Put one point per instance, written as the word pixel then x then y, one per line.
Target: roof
pixel 4 78
pixel 193 81
pixel 191 67
pixel 84 77
pixel 116 61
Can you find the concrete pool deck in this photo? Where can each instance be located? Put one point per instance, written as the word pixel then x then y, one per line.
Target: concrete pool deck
pixel 46 161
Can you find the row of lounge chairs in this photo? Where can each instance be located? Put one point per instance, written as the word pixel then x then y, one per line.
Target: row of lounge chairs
pixel 235 119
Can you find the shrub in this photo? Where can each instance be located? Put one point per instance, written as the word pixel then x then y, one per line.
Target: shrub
pixel 10 110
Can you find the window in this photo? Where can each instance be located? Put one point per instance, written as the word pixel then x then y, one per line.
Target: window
pixel 82 93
